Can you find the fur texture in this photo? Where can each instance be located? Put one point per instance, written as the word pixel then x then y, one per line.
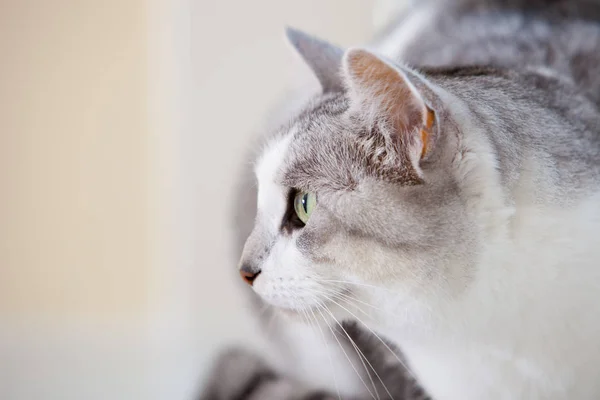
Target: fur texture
pixel 457 177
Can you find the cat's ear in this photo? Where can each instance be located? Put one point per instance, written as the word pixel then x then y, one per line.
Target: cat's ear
pixel 384 95
pixel 323 58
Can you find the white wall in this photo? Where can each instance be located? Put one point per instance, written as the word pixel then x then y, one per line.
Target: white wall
pixel 122 125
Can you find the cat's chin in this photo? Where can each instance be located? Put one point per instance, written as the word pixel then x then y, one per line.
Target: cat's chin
pixel 292 314
pixel 326 314
pixel 300 313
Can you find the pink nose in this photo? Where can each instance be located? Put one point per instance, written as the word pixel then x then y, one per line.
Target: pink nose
pixel 248 274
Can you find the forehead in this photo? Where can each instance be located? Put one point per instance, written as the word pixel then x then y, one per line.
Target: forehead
pixel 326 153
pixel 311 135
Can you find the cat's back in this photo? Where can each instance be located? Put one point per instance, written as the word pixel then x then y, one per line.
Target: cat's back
pixel 561 37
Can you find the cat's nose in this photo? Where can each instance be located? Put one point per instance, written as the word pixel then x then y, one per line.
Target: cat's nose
pixel 249 273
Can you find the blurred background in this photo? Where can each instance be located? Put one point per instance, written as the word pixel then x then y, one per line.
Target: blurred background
pixel 122 126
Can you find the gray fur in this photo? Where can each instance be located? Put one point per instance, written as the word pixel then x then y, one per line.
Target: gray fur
pixel 529 71
pixel 242 375
pixel 249 378
pixel 523 35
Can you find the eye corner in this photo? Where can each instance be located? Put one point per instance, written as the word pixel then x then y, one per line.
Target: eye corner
pixel 300 207
pixel 291 221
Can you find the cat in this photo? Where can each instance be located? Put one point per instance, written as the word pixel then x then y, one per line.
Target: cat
pixel 442 190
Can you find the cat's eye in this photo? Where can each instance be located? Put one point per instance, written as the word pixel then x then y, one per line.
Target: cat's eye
pixel 304 203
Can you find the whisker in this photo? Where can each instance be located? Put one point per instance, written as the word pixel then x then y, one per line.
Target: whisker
pixel 344 351
pixel 339 297
pixel 337 388
pixel 405 316
pixel 357 284
pixel 365 358
pixel 377 336
pixel 338 293
pixel 347 296
pixel 303 315
pixel 361 356
pixel 305 312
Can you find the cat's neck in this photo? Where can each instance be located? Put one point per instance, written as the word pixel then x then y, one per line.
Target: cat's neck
pixel 508 330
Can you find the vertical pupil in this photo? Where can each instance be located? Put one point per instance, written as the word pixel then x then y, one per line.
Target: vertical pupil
pixel 304 203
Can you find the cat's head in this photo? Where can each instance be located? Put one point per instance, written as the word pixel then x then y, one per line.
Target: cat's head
pixel 361 197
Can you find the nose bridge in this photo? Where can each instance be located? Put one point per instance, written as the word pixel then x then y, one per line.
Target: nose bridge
pixel 256 248
pixel 253 255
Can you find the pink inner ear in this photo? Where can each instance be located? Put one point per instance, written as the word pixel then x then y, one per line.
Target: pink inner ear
pixel 425 132
pixel 384 90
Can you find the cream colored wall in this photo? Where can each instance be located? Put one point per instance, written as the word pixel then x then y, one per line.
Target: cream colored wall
pixel 74 244
pixel 73 142
pixel 122 124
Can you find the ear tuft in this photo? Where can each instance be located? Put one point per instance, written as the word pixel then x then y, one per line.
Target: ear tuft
pixel 323 58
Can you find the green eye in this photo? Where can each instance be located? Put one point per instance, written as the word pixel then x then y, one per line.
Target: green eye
pixel 304 203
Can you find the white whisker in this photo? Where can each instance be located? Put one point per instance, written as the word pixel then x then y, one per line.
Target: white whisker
pixel 362 355
pixel 377 336
pixel 357 284
pixel 344 351
pixel 337 389
pixel 348 300
pixel 336 292
pixel 347 296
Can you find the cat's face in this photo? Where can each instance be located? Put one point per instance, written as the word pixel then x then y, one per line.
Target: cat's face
pixel 357 202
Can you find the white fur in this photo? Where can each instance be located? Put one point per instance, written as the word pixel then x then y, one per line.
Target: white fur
pixel 271 201
pixel 529 327
pixel 319 360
